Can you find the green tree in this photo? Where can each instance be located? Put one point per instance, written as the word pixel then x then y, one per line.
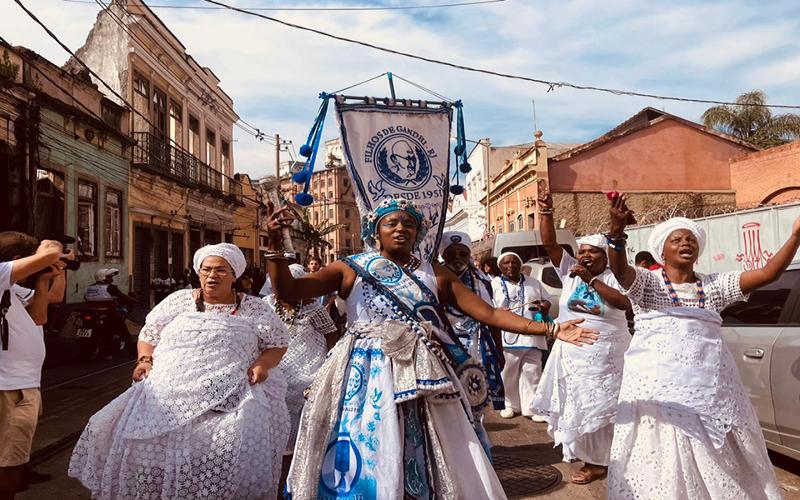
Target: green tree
pixel 753 122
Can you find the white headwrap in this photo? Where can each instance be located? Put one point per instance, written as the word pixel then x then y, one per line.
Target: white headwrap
pixel 227 251
pixel 450 238
pixel 660 233
pixel 594 240
pixel 507 254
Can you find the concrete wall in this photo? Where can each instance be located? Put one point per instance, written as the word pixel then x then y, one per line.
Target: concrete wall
pixel 770 176
pixel 666 156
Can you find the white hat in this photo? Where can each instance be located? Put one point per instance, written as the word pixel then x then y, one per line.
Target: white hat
pixel 594 240
pixel 508 254
pixel 103 273
pixel 231 253
pixel 660 233
pixel 451 238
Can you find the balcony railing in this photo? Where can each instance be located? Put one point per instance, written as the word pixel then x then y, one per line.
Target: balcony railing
pixel 158 156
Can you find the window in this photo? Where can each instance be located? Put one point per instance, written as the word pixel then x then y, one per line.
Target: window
pixel 330 182
pixel 768 305
pixel 330 195
pixel 112 114
pixel 140 85
pixel 519 223
pixel 175 123
pixel 511 226
pixel 113 223
pixel 194 136
pixel 330 213
pixel 211 148
pixel 225 148
pixel 346 183
pixel 347 214
pixel 550 277
pixel 87 219
pixel 159 112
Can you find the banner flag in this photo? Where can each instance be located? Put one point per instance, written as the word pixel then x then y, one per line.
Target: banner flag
pixel 399 151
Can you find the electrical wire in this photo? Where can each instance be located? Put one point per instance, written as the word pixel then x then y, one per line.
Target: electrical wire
pixel 552 85
pixel 322 9
pixel 360 83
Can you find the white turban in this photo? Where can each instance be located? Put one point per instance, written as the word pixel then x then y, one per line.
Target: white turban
pixel 227 251
pixel 507 254
pixel 594 240
pixel 297 271
pixel 450 238
pixel 660 233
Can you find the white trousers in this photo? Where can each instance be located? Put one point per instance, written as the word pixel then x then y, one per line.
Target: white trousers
pixel 520 377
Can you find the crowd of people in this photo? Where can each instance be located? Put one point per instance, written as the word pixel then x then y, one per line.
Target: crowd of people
pixel 228 386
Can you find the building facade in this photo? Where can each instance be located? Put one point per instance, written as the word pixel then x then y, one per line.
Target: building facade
pixel 182 191
pixel 667 166
pixel 767 177
pixel 80 166
pixel 334 204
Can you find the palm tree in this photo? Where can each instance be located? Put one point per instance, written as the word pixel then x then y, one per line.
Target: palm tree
pixel 752 121
pixel 314 235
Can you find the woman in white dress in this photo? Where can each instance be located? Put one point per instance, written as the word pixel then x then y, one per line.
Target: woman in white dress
pixel 207 416
pixel 523 354
pixel 685 425
pixel 308 323
pixel 388 414
pixel 578 392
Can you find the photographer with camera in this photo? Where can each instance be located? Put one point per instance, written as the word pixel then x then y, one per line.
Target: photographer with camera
pixel 22 312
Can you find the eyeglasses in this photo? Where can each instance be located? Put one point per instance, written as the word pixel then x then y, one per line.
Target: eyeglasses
pixel 205 272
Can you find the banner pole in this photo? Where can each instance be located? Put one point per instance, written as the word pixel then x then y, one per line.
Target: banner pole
pixel 391 85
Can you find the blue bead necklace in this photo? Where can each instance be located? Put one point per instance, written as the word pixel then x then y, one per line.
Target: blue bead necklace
pixel 673 295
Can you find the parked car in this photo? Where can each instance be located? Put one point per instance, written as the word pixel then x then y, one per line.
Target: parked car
pixel 544 271
pixel 763 335
pixel 528 244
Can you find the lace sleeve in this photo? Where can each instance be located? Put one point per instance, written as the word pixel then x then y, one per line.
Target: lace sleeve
pixel 270 329
pixel 163 314
pixel 645 283
pixel 727 288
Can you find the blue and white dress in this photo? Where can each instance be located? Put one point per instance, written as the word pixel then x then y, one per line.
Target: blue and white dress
pixel 386 416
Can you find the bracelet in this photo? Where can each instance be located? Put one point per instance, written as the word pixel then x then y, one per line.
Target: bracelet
pixel 275 256
pixel 545 211
pixel 145 359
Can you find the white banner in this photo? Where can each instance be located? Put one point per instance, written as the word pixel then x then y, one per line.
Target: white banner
pixel 400 152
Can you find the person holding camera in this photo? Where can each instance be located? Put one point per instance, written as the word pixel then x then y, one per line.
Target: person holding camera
pixel 22 352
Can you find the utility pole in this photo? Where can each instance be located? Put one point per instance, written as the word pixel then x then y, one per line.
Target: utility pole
pixel 278 156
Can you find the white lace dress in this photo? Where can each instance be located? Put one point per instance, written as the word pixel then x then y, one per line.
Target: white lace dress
pixel 306 353
pixel 195 427
pixel 685 427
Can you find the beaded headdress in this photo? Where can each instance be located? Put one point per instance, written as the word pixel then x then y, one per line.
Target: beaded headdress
pixel 369 223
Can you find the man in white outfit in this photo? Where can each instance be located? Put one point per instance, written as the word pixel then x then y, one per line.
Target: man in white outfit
pixel 527 297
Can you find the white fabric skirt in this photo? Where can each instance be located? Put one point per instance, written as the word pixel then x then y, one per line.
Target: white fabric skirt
pixel 651 458
pixel 219 454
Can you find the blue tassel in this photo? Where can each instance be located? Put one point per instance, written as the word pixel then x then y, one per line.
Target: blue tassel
pixel 457 189
pixel 305 150
pixel 300 177
pixel 465 168
pixel 304 199
pixel 538 317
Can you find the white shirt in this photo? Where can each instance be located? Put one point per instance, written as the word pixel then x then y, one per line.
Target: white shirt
pixel 580 301
pixel 510 297
pixel 21 364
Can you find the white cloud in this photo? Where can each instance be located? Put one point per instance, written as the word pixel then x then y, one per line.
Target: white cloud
pixel 695 49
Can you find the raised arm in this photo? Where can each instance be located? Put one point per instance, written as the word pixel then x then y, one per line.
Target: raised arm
pixel 755 279
pixel 286 287
pixel 617 257
pixel 458 294
pixel 547 229
pixel 48 253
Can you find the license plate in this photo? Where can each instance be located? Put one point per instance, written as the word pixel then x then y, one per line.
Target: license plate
pixel 84 332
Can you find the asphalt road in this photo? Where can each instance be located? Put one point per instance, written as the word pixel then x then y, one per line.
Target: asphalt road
pixel 524 454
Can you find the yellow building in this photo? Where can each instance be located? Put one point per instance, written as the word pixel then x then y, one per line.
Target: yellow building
pixel 182 193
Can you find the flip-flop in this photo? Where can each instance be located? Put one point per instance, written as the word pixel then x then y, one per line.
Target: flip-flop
pixel 586 475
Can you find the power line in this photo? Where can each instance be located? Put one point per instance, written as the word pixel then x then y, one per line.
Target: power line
pixel 91 72
pixel 321 9
pixel 552 85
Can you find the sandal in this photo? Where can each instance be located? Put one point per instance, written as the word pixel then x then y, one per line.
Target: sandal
pixel 588 474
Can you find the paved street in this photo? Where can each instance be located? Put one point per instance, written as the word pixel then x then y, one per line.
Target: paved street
pixel 527 463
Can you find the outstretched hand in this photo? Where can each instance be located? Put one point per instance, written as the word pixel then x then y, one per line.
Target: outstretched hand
pixel 573 334
pixel 620 214
pixel 545 200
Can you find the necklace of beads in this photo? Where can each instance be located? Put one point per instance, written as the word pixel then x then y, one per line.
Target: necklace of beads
pixel 520 291
pixel 288 317
pixel 673 295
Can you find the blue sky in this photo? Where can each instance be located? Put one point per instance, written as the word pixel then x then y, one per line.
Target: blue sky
pixel 701 49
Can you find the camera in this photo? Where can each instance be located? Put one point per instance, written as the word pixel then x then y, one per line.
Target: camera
pixel 72 265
